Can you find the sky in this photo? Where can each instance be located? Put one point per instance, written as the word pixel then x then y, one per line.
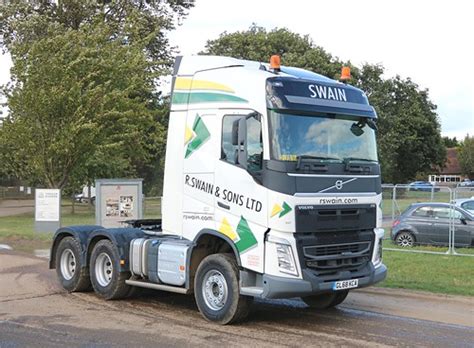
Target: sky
pixel 429 41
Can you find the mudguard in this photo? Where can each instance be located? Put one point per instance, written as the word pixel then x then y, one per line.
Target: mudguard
pixel 221 236
pixel 87 235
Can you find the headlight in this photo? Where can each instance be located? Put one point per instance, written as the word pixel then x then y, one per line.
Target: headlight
pixel 286 261
pixel 378 256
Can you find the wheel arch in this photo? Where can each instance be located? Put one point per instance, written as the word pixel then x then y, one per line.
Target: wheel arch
pixel 80 233
pixel 208 242
pixel 120 237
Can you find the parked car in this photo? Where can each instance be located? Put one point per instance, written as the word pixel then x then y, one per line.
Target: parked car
pixel 466 183
pixel 78 197
pixel 428 223
pixel 466 204
pixel 83 197
pixel 422 186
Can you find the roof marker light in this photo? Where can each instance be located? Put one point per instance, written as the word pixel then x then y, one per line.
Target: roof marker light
pixel 345 74
pixel 275 62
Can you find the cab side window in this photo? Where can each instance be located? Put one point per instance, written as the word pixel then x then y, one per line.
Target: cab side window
pixel 228 150
pixel 254 144
pixel 253 141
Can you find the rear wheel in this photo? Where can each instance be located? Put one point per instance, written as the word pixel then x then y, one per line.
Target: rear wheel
pixel 405 239
pixel 216 289
pixel 71 273
pixel 324 301
pixel 107 280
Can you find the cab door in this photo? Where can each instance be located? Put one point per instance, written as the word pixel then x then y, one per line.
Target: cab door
pixel 240 200
pixel 201 141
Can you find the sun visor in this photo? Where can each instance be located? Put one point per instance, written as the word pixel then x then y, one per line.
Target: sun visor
pixel 294 94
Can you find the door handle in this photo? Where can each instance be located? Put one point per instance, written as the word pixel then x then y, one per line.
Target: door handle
pixel 222 205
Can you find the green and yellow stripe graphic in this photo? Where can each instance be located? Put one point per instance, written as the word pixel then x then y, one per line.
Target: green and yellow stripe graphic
pixel 187 90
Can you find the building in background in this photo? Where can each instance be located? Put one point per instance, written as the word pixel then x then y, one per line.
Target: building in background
pixel 451 173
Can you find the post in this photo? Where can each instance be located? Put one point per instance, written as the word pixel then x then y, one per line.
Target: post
pixel 394 197
pixel 73 205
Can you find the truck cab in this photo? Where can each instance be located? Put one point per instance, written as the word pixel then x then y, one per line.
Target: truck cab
pixel 272 189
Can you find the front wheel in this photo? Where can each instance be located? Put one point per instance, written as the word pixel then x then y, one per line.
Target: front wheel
pixel 107 280
pixel 216 289
pixel 324 301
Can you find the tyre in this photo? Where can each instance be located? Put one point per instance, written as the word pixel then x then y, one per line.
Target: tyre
pixel 405 239
pixel 72 276
pixel 107 280
pixel 324 301
pixel 216 289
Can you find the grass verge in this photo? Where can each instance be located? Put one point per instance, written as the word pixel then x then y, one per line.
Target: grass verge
pixel 445 274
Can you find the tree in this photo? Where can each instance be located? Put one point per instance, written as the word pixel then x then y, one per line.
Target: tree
pixel 23 21
pixel 77 96
pixel 466 156
pixel 83 102
pixel 409 136
pixel 409 131
pixel 259 45
pixel 450 142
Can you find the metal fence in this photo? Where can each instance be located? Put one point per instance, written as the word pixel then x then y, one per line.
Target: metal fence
pixel 16 192
pixel 411 212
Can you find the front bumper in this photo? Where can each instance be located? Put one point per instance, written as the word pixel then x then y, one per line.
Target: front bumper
pixel 280 287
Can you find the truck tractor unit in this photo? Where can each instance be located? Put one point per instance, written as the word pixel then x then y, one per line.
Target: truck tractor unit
pixel 271 190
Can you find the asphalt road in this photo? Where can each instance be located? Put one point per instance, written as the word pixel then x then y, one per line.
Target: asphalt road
pixel 36 312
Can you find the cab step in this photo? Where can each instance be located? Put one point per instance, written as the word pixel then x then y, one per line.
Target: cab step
pixel 155 286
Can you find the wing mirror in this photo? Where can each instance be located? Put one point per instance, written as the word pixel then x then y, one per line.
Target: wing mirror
pixel 371 123
pixel 239 137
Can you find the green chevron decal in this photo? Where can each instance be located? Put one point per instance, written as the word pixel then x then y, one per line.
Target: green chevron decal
pixel 200 136
pixel 247 239
pixel 286 209
pixel 280 210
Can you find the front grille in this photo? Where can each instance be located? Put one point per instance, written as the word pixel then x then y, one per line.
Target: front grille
pixel 336 249
pixel 329 254
pixel 317 218
pixel 333 258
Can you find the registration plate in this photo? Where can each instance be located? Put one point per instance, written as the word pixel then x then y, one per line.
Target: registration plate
pixel 345 284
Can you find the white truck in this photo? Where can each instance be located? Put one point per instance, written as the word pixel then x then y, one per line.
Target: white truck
pixel 272 189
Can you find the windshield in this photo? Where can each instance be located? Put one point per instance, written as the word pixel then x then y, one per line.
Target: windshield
pixel 327 138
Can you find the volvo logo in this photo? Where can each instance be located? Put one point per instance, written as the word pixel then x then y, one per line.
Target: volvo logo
pixel 337 185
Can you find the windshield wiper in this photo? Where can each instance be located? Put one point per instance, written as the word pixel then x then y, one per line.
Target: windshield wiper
pixel 347 163
pixel 349 159
pixel 322 158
